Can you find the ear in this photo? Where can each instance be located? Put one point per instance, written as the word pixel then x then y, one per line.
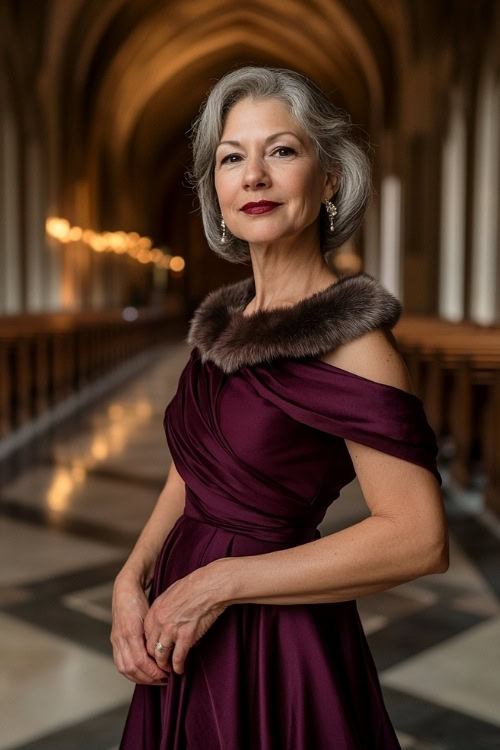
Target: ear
pixel 332 183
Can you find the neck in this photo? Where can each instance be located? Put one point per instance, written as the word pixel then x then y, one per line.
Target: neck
pixel 279 282
pixel 288 269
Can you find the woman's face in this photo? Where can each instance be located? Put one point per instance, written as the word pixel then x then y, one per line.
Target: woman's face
pixel 271 159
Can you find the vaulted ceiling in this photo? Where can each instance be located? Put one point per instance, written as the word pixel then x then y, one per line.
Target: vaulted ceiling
pixel 125 78
pixel 132 75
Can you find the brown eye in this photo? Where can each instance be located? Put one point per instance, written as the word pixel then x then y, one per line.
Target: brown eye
pixel 286 148
pixel 228 157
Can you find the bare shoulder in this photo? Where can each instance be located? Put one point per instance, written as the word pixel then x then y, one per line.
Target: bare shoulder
pixel 374 355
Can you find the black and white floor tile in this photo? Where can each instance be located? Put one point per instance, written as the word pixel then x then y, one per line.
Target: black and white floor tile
pixel 68 522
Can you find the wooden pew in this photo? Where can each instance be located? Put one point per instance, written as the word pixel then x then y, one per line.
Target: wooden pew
pixel 454 369
pixel 492 446
pixel 46 357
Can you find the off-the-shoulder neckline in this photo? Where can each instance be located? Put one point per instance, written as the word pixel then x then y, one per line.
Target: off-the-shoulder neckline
pixel 307 361
pixel 342 371
pixel 348 308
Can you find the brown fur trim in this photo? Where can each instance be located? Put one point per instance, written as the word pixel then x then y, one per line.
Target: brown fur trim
pixel 346 309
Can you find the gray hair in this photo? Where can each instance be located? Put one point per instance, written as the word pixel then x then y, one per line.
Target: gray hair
pixel 328 127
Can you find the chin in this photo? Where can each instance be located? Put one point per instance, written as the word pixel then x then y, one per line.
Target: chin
pixel 264 237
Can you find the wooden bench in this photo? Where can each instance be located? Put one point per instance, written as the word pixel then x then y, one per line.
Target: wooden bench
pixel 44 358
pixel 455 369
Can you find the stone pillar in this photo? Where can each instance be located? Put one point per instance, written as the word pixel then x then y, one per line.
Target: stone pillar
pixel 35 229
pixel 453 213
pixel 10 215
pixel 486 182
pixel 390 234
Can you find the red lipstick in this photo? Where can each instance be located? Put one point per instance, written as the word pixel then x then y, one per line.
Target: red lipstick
pixel 261 207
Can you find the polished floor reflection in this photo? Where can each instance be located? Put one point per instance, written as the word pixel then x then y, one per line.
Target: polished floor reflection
pixel 68 522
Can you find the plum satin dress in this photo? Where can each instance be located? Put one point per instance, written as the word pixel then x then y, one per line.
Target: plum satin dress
pixel 262 454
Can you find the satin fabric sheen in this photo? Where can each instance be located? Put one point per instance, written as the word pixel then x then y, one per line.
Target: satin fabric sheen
pixel 262 454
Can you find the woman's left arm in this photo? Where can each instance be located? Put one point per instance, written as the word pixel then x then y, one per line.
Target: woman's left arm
pixel 405 537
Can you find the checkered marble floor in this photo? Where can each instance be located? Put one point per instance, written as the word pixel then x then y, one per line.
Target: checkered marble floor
pixel 68 521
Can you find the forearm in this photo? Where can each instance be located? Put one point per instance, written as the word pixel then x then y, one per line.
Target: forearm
pixel 141 561
pixel 370 556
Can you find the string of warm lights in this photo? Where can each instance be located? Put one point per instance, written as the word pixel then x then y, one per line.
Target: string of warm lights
pixel 131 243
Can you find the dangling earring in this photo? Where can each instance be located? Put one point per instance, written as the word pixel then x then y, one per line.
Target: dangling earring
pixel 223 227
pixel 332 211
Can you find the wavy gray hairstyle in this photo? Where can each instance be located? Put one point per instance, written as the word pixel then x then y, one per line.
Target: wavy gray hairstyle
pixel 328 127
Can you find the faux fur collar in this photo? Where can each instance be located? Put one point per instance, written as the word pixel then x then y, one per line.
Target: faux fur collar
pixel 346 309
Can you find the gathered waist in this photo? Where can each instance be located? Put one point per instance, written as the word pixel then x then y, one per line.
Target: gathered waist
pixel 283 535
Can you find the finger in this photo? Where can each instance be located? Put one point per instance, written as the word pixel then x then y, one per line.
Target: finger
pixel 148 623
pixel 162 658
pixel 179 654
pixel 151 641
pixel 135 674
pixel 143 660
pixel 117 658
pixel 133 671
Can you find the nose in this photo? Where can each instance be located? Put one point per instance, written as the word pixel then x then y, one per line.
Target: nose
pixel 255 173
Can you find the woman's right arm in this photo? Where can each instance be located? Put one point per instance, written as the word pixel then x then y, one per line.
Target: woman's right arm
pixel 169 507
pixel 130 604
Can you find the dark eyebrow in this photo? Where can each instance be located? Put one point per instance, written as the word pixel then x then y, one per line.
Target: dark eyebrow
pixel 268 139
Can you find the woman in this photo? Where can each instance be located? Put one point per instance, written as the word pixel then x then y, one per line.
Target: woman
pixel 293 387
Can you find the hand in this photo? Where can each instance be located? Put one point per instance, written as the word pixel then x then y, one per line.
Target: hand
pixel 129 608
pixel 183 613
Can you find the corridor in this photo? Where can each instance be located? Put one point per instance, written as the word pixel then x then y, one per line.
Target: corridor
pixel 68 521
pixel 364 139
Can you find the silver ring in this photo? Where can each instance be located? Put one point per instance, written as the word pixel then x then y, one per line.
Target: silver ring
pixel 160 648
